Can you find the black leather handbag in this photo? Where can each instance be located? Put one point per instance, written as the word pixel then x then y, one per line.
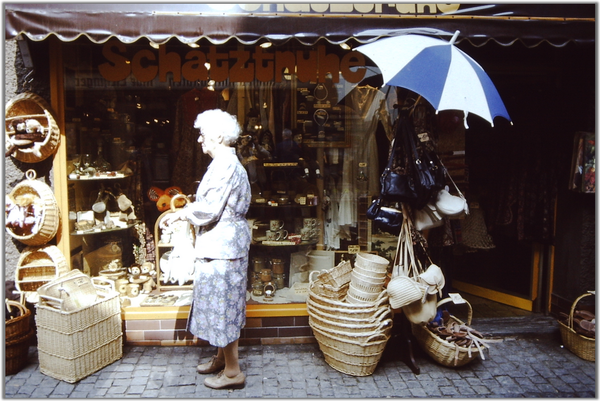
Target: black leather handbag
pixel 415 178
pixel 387 219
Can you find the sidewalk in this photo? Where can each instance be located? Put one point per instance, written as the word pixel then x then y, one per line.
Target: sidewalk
pixel 529 362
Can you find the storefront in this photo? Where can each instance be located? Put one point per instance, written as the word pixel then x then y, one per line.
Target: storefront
pixel 126 81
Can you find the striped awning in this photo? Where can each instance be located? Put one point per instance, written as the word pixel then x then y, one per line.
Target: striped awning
pixel 531 24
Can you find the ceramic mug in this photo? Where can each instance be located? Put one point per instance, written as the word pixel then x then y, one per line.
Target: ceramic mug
pixel 310 222
pixel 275 225
pixel 273 235
pixel 133 290
pixel 282 234
pixel 307 233
pixel 121 285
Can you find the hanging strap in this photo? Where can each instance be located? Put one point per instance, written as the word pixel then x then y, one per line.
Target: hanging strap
pixel 449 176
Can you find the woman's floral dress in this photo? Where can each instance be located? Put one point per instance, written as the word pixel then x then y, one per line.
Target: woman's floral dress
pixel 218 310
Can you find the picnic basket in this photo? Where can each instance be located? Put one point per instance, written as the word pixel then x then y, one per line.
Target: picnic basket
pixel 582 346
pixel 444 352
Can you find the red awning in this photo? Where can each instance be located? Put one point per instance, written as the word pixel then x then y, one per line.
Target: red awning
pixel 531 24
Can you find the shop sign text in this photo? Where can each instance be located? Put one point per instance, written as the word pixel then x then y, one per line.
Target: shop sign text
pixel 239 65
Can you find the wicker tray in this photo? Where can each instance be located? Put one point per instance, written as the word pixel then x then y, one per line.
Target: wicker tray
pixel 16 326
pixel 50 218
pixel 31 106
pixel 38 266
pixel 337 276
pixel 582 346
pixel 444 352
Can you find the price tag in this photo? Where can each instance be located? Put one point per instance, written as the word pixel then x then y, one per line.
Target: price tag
pixel 353 249
pixel 456 298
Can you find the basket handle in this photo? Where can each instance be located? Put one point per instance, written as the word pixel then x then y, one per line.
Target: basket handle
pixel 10 304
pixel 52 302
pixel 470 309
pixel 575 304
pixel 376 336
pixel 381 312
pixel 100 286
pixel 310 275
pixel 173 208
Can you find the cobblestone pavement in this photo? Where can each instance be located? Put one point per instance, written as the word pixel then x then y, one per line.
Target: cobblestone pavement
pixel 529 362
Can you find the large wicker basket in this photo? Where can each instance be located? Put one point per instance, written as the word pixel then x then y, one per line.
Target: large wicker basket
pixel 50 219
pixel 38 266
pixel 73 345
pixel 582 346
pixel 16 326
pixel 444 352
pixel 31 106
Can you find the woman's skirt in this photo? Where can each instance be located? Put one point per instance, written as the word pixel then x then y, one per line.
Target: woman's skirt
pixel 218 310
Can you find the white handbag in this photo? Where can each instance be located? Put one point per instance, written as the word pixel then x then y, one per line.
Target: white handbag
pixel 405 287
pixel 428 217
pixel 449 205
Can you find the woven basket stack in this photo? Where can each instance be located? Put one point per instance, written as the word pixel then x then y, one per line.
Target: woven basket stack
pixel 18 335
pixel 368 277
pixel 351 335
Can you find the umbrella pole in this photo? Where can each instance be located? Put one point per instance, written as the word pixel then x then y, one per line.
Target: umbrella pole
pixel 414 106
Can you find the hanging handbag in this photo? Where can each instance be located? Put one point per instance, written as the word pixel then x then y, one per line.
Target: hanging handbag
pixel 387 219
pixel 424 310
pixel 449 205
pixel 428 217
pixel 406 177
pixel 404 287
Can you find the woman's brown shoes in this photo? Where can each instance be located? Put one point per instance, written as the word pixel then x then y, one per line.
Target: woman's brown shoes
pixel 221 381
pixel 212 366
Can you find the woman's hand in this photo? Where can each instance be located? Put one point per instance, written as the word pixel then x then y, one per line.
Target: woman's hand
pixel 170 219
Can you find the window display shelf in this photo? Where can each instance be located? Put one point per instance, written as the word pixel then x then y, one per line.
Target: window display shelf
pixel 118 176
pixel 108 230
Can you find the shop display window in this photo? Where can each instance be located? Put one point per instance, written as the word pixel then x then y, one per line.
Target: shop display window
pixel 132 149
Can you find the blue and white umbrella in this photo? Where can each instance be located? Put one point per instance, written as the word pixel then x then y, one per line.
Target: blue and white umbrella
pixel 439 72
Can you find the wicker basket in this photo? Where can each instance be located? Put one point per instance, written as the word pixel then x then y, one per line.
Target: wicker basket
pixel 359 310
pixel 366 284
pixel 582 346
pixel 38 266
pixel 344 316
pixel 16 326
pixel 370 273
pixel 368 261
pixel 348 327
pixel 325 289
pixel 73 345
pixel 352 332
pixel 358 296
pixel 373 344
pixel 444 352
pixel 338 318
pixel 337 276
pixel 16 351
pixel 351 356
pixel 31 106
pixel 70 292
pixel 50 219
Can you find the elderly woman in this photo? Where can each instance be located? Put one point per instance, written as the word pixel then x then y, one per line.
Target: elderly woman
pixel 218 214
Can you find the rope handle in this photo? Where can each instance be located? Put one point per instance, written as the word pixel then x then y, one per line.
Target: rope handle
pixel 575 304
pixel 470 309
